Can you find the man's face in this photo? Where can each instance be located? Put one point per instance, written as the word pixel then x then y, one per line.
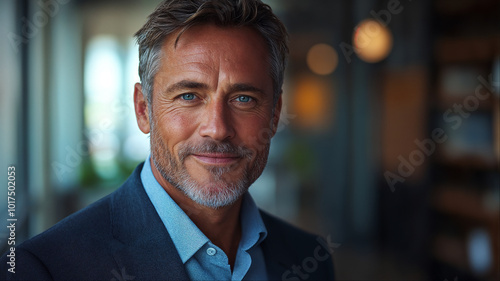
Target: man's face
pixel 212 113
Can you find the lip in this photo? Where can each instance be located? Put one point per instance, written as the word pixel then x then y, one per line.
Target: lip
pixel 219 159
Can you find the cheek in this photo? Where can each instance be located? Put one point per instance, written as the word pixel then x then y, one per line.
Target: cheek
pixel 254 132
pixel 175 128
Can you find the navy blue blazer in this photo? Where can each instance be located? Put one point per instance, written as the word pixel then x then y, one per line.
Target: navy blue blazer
pixel 121 237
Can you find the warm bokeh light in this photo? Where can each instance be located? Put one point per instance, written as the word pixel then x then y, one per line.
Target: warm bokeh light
pixel 322 59
pixel 312 102
pixel 372 41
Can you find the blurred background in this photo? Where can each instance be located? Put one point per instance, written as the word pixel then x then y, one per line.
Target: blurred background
pixel 389 140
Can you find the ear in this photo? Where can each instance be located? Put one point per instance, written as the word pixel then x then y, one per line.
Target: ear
pixel 141 109
pixel 277 113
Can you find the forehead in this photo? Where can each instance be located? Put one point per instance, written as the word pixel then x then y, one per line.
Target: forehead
pixel 209 41
pixel 211 54
pixel 242 37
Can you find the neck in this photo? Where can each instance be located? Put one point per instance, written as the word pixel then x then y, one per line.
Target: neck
pixel 222 225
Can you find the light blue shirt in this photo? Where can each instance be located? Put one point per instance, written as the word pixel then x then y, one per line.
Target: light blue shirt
pixel 202 259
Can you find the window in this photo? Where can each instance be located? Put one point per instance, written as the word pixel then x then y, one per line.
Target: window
pixel 116 144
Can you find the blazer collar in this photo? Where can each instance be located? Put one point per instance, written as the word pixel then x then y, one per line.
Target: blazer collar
pixel 143 249
pixel 279 258
pixel 142 246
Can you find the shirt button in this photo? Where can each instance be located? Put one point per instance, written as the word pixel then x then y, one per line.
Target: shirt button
pixel 211 251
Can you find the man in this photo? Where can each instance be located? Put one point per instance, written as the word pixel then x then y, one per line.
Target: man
pixel 210 98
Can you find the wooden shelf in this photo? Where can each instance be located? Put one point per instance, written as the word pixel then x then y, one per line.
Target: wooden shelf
pixel 448 101
pixel 463 50
pixel 464 204
pixel 450 250
pixel 467 46
pixel 465 7
pixel 469 212
pixel 468 161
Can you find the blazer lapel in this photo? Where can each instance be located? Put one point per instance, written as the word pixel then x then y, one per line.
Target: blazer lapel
pixel 142 247
pixel 278 257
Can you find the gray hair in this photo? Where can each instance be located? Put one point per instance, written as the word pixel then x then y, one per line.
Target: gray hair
pixel 173 15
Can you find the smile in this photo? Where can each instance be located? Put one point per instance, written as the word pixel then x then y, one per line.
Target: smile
pixel 219 159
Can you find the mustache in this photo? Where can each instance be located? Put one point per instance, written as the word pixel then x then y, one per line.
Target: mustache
pixel 210 146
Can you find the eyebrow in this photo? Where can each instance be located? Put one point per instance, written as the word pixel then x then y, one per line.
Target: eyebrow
pixel 192 85
pixel 242 87
pixel 186 84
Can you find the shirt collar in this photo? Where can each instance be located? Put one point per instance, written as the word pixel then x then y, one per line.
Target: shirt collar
pixel 253 230
pixel 186 236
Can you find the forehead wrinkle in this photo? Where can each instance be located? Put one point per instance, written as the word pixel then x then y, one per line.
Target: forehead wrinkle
pixel 214 61
pixel 195 70
pixel 201 58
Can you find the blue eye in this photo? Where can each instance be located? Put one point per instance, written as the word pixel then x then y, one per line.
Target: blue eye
pixel 188 96
pixel 244 99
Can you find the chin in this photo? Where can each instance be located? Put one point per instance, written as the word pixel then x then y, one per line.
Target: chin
pixel 214 195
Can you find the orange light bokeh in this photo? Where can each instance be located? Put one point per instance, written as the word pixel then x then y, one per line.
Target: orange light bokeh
pixel 372 41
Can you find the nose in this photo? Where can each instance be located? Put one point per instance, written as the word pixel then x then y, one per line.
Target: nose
pixel 216 121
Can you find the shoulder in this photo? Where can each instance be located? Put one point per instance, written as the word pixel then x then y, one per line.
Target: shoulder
pixel 67 248
pixel 301 255
pixel 79 246
pixel 91 222
pixel 92 225
pixel 285 231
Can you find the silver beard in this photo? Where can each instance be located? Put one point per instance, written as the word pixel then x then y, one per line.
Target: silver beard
pixel 218 193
